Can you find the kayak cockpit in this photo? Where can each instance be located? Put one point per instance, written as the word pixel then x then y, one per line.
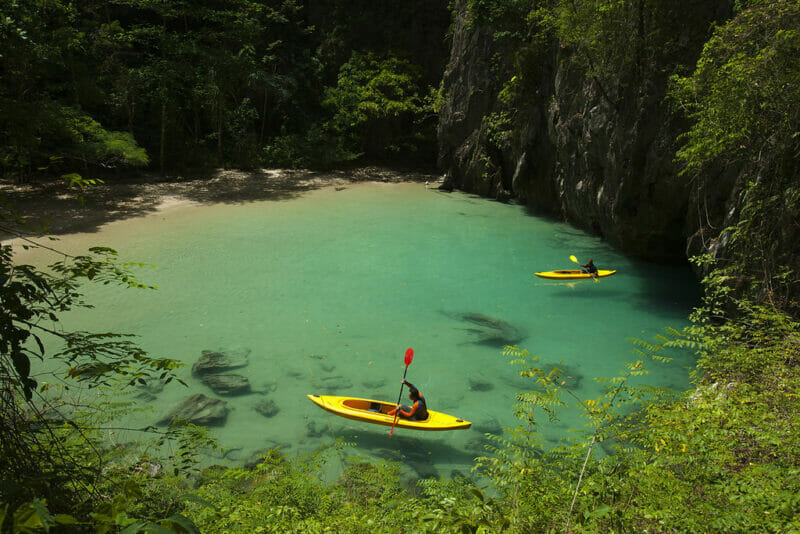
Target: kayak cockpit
pixel 366 405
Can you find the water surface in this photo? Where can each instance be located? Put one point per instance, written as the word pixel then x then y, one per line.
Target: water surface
pixel 339 283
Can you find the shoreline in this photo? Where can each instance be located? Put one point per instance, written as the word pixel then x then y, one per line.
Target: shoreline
pixel 50 208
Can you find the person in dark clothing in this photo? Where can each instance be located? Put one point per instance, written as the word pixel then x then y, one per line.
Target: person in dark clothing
pixel 590 268
pixel 418 411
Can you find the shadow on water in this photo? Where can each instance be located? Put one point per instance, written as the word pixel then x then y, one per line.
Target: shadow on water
pixel 595 293
pixel 420 453
pixel 486 330
pixel 671 290
pixel 126 196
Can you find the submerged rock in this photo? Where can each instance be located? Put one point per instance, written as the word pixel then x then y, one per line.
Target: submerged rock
pixel 566 376
pixel 227 384
pixel 258 456
pixel 314 430
pixel 267 408
pixel 199 410
pixel 330 384
pixel 480 385
pixel 424 469
pixel 489 425
pixel 493 331
pixel 150 389
pixel 218 361
pixel 374 384
pixel 478 444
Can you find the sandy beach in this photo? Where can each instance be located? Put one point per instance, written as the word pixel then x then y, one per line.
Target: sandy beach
pixel 50 208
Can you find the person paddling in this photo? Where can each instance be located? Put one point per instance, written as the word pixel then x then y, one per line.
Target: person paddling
pixel 418 411
pixel 590 268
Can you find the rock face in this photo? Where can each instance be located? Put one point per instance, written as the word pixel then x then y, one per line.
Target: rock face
pixel 219 361
pixel 199 410
pixel 599 155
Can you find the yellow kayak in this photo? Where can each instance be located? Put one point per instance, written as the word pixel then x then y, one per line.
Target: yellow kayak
pixel 572 274
pixel 372 411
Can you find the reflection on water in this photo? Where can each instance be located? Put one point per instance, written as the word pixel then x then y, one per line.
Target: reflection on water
pixel 323 294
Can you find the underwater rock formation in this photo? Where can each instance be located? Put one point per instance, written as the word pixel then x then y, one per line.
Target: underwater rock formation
pixel 267 408
pixel 227 384
pixel 492 331
pixel 480 385
pixel 199 410
pixel 330 384
pixel 219 361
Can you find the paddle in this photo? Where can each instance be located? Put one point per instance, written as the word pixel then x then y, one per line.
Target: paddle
pixel 409 356
pixel 574 259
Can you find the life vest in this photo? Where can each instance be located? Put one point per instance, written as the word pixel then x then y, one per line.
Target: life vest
pixel 422 409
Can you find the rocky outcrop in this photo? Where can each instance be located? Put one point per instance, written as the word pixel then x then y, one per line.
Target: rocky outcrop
pixel 469 92
pixel 599 155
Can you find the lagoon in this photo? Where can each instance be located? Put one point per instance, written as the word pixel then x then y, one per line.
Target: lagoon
pixel 327 290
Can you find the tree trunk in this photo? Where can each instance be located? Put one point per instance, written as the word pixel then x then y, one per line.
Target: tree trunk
pixel 163 132
pixel 219 129
pixel 263 118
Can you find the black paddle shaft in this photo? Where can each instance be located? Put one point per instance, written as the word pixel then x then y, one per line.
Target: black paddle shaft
pixel 401 386
pixel 400 396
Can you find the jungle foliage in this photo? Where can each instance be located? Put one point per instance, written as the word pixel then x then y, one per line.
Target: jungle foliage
pixel 742 100
pixel 721 457
pixel 175 85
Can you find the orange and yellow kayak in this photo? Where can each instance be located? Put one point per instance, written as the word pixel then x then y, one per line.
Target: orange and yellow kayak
pixel 372 411
pixel 572 274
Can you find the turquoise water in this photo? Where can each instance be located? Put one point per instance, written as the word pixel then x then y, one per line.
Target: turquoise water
pixel 341 283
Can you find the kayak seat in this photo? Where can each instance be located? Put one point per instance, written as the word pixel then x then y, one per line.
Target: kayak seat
pixel 375 407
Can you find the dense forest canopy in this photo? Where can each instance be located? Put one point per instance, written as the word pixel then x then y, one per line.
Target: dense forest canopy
pixel 174 85
pixel 235 83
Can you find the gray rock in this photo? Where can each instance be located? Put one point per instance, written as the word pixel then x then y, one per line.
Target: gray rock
pixel 478 445
pixel 150 390
pixel 564 375
pixel 330 384
pixel 227 384
pixel 267 408
pixel 480 385
pixel 199 410
pixel 489 425
pixel 493 331
pixel 219 361
pixel 258 456
pixel 315 430
pixel 146 397
pixel 153 386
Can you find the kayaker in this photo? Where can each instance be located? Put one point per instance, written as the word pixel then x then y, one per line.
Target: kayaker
pixel 590 268
pixel 418 411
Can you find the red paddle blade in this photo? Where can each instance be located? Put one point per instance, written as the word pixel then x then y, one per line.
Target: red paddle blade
pixel 409 356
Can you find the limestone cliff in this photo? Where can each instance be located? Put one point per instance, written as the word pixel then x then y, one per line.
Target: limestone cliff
pixel 597 153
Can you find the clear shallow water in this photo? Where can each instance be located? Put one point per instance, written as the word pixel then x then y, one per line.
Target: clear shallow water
pixel 340 283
